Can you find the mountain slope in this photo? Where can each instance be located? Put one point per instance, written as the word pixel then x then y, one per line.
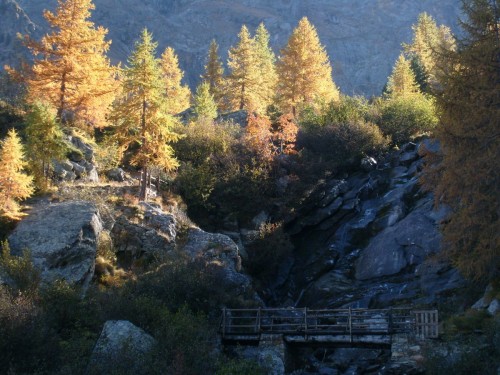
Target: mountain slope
pixel 363 37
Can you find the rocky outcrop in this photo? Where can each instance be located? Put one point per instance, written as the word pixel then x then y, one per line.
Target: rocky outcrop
pixel 62 239
pixel 155 234
pixel 121 345
pixel 488 302
pixel 80 165
pixel 220 251
pixel 116 174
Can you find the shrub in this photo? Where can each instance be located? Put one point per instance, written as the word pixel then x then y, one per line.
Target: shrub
pixel 345 143
pixel 20 270
pixel 405 117
pixel 239 367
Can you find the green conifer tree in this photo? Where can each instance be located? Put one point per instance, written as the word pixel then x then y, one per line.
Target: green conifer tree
pixel 204 103
pixel 214 74
pixel 266 69
pixel 140 114
pixel 44 143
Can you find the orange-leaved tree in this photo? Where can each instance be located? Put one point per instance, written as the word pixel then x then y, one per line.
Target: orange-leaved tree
pixel 71 71
pixel 258 136
pixel 285 133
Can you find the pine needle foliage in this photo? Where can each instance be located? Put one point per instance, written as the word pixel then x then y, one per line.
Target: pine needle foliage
pixel 468 178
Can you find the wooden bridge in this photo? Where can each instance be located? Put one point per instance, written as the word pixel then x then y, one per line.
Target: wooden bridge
pixel 347 327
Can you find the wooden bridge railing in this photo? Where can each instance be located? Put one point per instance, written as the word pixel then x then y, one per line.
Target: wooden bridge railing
pixel 254 322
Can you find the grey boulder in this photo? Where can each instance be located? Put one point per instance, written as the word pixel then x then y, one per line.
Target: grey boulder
pixel 220 251
pixel 121 346
pixel 62 239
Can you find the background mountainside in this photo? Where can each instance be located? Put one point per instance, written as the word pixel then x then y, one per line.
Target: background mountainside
pixel 363 37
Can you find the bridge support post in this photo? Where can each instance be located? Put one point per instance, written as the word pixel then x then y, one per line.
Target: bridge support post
pixel 272 353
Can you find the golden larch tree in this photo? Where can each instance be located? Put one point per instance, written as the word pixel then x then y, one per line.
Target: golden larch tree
pixel 71 71
pixel 304 70
pixel 468 177
pixel 178 96
pixel 243 78
pixel 15 185
pixel 204 105
pixel 140 115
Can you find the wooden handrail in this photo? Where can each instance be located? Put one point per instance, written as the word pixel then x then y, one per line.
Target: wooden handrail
pixel 423 323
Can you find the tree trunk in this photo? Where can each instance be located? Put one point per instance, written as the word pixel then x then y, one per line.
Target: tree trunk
pixel 62 98
pixel 143 184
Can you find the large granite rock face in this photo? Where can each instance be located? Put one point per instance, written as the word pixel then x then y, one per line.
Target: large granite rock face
pixel 362 37
pixel 407 242
pixel 62 238
pixel 367 240
pixel 121 345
